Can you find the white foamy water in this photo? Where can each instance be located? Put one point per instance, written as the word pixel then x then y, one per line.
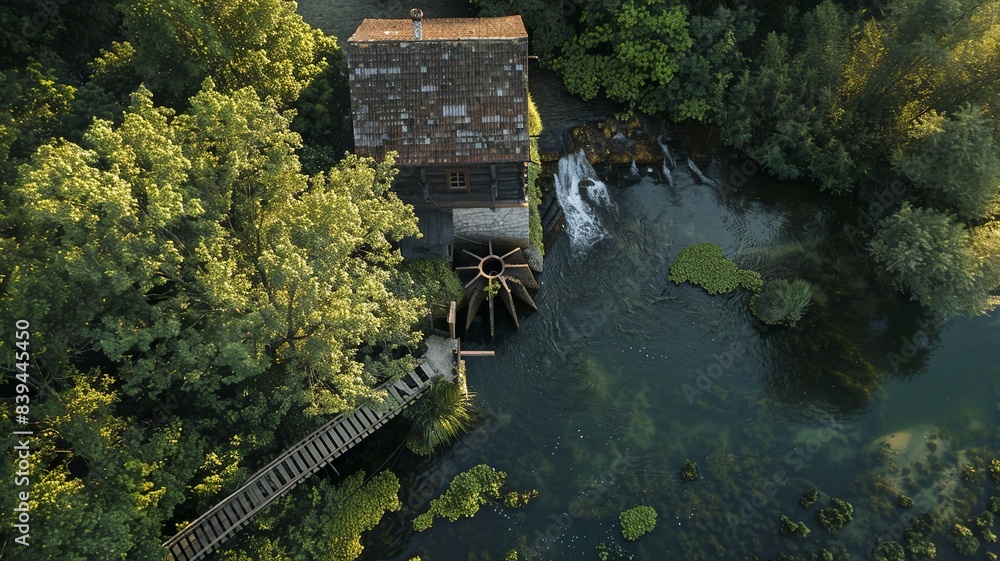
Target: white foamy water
pixel 667 156
pixel 669 177
pixel 699 175
pixel 582 222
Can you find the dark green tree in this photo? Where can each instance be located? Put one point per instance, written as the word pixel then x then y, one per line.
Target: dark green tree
pixel 955 163
pixel 627 54
pixel 930 256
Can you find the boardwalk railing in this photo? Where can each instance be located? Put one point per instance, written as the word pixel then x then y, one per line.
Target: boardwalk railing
pixel 209 531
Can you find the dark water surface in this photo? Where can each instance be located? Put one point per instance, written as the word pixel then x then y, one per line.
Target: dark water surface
pixel 622 375
pixel 599 398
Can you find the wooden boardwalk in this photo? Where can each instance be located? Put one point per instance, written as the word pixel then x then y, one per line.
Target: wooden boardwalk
pixel 209 531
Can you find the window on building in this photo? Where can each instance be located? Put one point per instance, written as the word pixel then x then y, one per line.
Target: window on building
pixel 457 180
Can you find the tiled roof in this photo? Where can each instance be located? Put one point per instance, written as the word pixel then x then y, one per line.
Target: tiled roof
pixel 444 29
pixel 441 102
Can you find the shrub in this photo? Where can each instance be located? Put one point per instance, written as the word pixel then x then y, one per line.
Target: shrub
pixel 637 521
pixel 781 302
pixel 431 279
pixel 440 415
pixel 706 266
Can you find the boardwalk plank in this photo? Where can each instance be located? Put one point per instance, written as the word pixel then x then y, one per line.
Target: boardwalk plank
pixel 212 529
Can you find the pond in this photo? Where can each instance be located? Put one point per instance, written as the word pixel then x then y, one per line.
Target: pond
pixel 622 375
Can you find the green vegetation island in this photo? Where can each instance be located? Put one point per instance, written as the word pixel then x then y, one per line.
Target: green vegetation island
pixel 777 339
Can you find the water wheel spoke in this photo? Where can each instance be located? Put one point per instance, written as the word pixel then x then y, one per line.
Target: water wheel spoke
pixel 509 253
pixel 519 290
pixel 466 251
pixel 508 300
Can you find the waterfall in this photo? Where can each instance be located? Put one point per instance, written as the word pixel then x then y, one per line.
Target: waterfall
pixel 667 176
pixel 667 156
pixel 700 176
pixel 582 222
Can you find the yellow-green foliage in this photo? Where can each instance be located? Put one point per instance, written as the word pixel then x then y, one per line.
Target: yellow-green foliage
pixel 466 493
pixel 534 193
pixel 637 521
pixel 356 509
pixel 706 266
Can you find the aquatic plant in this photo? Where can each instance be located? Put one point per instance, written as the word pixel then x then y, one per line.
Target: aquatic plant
pixel 823 555
pixel 517 499
pixel 467 492
pixel 637 521
pixel 963 539
pixel 971 474
pixel 836 516
pixel 781 302
pixel 689 472
pixel 993 505
pixel 984 523
pixel 789 527
pixel 917 538
pixel 443 413
pixel 613 552
pixel 511 555
pixel 888 550
pixel 705 265
pixel 995 470
pixel 809 498
pixel 904 501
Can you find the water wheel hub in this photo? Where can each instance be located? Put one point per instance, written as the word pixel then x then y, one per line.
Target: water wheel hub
pixel 491 276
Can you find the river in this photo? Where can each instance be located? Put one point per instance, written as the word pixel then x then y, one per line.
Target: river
pixel 622 375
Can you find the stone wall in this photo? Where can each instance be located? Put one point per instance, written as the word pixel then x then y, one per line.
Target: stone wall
pixel 500 224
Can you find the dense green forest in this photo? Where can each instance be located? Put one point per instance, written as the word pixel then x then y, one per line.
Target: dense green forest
pixel 207 274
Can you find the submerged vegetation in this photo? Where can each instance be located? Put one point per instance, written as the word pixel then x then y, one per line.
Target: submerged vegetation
pixel 788 527
pixel 834 517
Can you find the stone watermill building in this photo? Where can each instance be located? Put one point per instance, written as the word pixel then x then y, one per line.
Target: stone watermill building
pixel 450 97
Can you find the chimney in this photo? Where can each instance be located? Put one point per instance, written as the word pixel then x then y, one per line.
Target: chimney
pixel 416 14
